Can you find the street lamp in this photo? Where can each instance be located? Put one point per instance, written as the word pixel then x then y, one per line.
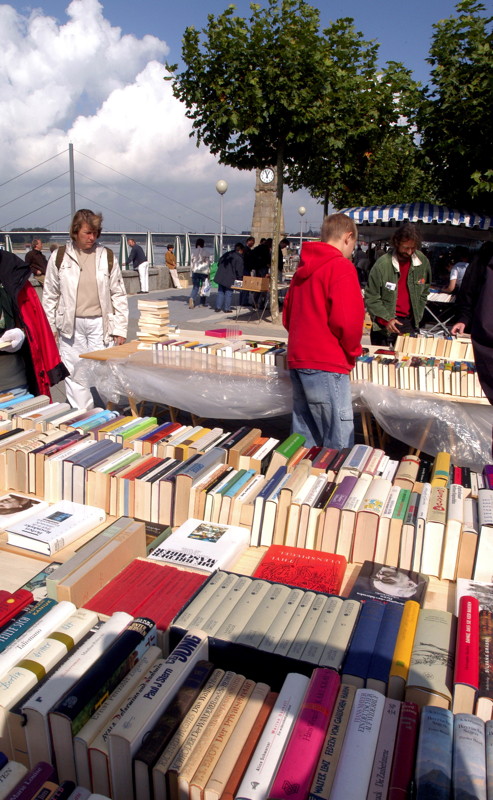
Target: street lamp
pixel 221 189
pixel 301 212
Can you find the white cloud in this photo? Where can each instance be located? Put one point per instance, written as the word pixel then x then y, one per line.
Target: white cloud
pixel 84 82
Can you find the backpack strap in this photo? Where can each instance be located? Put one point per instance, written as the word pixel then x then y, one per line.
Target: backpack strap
pixel 60 253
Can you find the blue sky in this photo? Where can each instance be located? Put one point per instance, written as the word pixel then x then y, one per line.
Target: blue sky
pixel 91 72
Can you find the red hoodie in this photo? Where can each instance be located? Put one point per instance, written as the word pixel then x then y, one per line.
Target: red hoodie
pixel 324 311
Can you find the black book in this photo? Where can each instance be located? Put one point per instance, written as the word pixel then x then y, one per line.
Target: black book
pixel 389 584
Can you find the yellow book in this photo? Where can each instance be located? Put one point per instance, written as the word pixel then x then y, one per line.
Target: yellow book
pixel 181 450
pixel 113 426
pixel 441 469
pixel 402 652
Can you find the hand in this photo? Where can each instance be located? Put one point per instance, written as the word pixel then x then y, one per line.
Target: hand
pixel 393 326
pixel 15 337
pixel 458 328
pixel 118 340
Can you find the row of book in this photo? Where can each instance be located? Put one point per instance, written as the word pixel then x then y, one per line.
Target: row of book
pixel 186 727
pixel 39 783
pixel 454 348
pixel 272 353
pixel 420 374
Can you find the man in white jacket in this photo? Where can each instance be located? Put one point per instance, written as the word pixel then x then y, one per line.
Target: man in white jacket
pixel 84 299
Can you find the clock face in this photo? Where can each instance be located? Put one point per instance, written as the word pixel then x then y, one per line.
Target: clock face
pixel 267 175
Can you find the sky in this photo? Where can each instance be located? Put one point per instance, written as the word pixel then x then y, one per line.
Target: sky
pixel 91 73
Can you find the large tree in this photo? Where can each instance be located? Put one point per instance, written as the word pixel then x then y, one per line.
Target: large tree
pixel 456 119
pixel 273 89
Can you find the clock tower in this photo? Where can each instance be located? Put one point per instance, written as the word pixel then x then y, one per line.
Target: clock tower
pixel 264 209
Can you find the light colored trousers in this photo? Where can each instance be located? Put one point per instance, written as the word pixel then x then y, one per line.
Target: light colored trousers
pixel 143 270
pixel 88 336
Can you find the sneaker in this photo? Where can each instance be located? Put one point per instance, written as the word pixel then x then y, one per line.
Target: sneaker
pixel 191 304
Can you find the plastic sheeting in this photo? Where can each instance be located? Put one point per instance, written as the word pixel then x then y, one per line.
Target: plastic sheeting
pixel 431 423
pixel 207 386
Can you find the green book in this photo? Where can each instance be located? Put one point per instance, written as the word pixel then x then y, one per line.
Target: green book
pixel 138 427
pixel 402 504
pixel 290 445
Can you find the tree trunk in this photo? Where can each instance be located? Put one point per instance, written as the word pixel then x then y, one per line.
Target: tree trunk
pixel 274 270
pixel 326 203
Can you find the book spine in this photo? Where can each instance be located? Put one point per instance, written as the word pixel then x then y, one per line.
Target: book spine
pixel 466 669
pixel 469 757
pixel 433 772
pixel 402 771
pixel 25 621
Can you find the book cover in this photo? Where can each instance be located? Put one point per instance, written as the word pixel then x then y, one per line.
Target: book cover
pixel 54 528
pixel 381 660
pixel 352 777
pixel 430 677
pixel 270 747
pixel 33 635
pixel 203 545
pixel 433 773
pixel 359 654
pixel 466 666
pixel 294 775
pixel 469 757
pixel 309 569
pixel 335 648
pixel 389 584
pixel 329 756
pixel 16 507
pixel 402 771
pixel 401 657
pixel 24 621
pixel 382 763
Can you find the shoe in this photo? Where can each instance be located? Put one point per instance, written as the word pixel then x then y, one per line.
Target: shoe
pixel 217 310
pixel 191 304
pixel 229 311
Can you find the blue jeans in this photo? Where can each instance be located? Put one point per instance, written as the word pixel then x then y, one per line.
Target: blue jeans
pixel 197 280
pixel 322 409
pixel 223 298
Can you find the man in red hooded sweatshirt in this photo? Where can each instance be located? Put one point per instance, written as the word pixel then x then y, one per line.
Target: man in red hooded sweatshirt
pixel 324 315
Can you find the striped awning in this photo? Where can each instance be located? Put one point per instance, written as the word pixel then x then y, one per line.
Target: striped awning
pixel 417 212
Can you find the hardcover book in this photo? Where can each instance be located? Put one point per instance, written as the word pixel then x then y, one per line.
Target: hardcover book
pixel 430 678
pixel 434 755
pixel 203 545
pixel 469 757
pixel 389 584
pixel 331 749
pixel 16 507
pixel 466 668
pixel 309 569
pixel 402 772
pixel 55 527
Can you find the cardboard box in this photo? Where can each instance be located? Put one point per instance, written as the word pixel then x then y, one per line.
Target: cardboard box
pixel 256 284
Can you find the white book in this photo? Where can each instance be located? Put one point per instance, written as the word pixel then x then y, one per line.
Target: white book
pixel 382 764
pixel 288 637
pixel 53 470
pixel 352 777
pixel 215 587
pixel 211 623
pixel 109 710
pixel 245 495
pixel 281 620
pixel 259 622
pixel 235 621
pixel 51 621
pixel 15 507
pixel 97 770
pixel 384 523
pixel 483 569
pixel 453 530
pixel 482 590
pixel 81 793
pixel 434 531
pixel 305 537
pixel 321 632
pixel 268 753
pixel 205 546
pixel 128 734
pixel 307 627
pixel 39 704
pixel 389 470
pixel 211 494
pixel 10 775
pixel 295 510
pixel 348 516
pixel 268 520
pixel 424 503
pixel 355 461
pixel 56 527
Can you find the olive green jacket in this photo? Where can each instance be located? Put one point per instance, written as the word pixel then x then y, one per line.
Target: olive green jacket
pixel 381 292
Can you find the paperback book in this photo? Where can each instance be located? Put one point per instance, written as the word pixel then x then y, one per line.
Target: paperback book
pixel 389 584
pixel 309 569
pixel 55 527
pixel 203 545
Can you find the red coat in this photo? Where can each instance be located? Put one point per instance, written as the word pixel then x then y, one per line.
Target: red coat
pixel 41 357
pixel 324 311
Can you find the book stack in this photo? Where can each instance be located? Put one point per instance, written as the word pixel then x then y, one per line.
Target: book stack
pixel 451 347
pixel 153 325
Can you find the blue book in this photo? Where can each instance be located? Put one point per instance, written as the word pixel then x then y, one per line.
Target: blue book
pixel 433 773
pixel 381 660
pixel 97 419
pixel 3 760
pixel 360 651
pixel 74 468
pixel 269 489
pixel 15 400
pixel 20 625
pixel 150 434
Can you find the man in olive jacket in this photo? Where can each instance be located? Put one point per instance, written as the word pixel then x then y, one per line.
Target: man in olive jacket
pixel 398 287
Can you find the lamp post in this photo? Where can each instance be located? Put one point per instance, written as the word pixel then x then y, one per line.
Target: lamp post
pixel 221 189
pixel 301 212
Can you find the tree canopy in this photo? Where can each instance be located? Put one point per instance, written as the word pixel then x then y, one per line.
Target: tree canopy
pixel 456 117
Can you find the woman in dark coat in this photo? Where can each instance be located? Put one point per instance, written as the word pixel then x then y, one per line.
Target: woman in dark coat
pixel 229 270
pixel 29 355
pixel 475 302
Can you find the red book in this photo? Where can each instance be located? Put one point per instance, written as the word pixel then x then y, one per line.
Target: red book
pixel 457 475
pixel 404 752
pixel 308 569
pixel 324 459
pixel 294 775
pixel 13 604
pixel 136 472
pixel 466 671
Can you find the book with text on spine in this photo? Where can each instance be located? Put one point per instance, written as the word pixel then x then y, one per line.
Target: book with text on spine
pixel 309 569
pixel 388 584
pixel 203 545
pixel 54 528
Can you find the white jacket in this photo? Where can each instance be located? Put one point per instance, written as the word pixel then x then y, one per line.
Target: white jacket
pixel 60 294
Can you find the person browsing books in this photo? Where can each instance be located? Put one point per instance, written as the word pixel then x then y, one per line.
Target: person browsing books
pixel 398 286
pixel 85 299
pixel 324 314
